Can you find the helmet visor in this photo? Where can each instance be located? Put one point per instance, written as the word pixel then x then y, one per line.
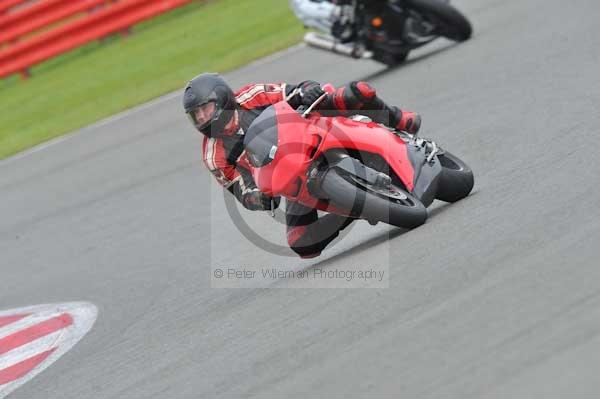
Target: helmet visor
pixel 203 115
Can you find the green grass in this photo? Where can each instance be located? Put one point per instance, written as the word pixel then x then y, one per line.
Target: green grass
pixel 106 77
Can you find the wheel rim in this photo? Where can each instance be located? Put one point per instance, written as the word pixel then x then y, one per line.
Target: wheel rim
pixel 391 192
pixel 420 29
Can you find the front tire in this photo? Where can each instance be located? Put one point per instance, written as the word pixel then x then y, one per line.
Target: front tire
pixel 346 191
pixel 452 23
pixel 456 180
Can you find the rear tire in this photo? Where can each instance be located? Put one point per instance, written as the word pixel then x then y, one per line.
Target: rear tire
pixel 452 23
pixel 345 193
pixel 456 180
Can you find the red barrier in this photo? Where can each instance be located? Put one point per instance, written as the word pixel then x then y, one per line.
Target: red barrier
pixel 6 5
pixel 41 14
pixel 115 18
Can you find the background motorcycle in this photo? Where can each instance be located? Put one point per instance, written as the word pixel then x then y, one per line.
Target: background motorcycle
pixel 352 166
pixel 387 30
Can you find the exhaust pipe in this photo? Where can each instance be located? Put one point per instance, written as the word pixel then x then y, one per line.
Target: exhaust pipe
pixel 330 44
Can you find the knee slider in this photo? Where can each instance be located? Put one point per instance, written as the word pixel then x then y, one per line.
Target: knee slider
pixel 305 253
pixel 299 241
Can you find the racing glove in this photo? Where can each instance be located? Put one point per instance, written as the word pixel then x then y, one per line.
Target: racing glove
pixel 254 200
pixel 310 91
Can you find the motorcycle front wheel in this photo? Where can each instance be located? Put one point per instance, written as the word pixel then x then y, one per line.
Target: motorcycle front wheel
pixel 391 204
pixel 451 23
pixel 456 180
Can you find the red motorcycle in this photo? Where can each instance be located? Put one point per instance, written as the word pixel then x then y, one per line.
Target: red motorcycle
pixel 352 166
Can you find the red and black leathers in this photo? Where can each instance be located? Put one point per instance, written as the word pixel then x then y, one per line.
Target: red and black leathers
pixel 224 154
pixel 362 96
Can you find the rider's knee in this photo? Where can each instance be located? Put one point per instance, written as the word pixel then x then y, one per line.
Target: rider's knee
pixel 297 242
pixel 363 91
pixel 353 96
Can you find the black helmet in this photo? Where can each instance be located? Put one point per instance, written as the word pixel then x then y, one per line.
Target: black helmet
pixel 209 92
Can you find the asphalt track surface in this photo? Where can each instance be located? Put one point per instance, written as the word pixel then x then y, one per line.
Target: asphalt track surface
pixel 497 296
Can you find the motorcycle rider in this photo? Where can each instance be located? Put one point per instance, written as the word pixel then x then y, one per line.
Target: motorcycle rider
pixel 329 16
pixel 223 117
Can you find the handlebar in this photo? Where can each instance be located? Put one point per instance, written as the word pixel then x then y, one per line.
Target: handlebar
pixel 313 105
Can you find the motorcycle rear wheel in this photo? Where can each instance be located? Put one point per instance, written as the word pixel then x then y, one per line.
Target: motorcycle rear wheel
pixel 452 23
pixel 396 206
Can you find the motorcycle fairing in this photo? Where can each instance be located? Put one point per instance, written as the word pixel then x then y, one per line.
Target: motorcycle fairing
pixel 344 133
pixel 426 174
pixel 281 169
pixel 284 171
